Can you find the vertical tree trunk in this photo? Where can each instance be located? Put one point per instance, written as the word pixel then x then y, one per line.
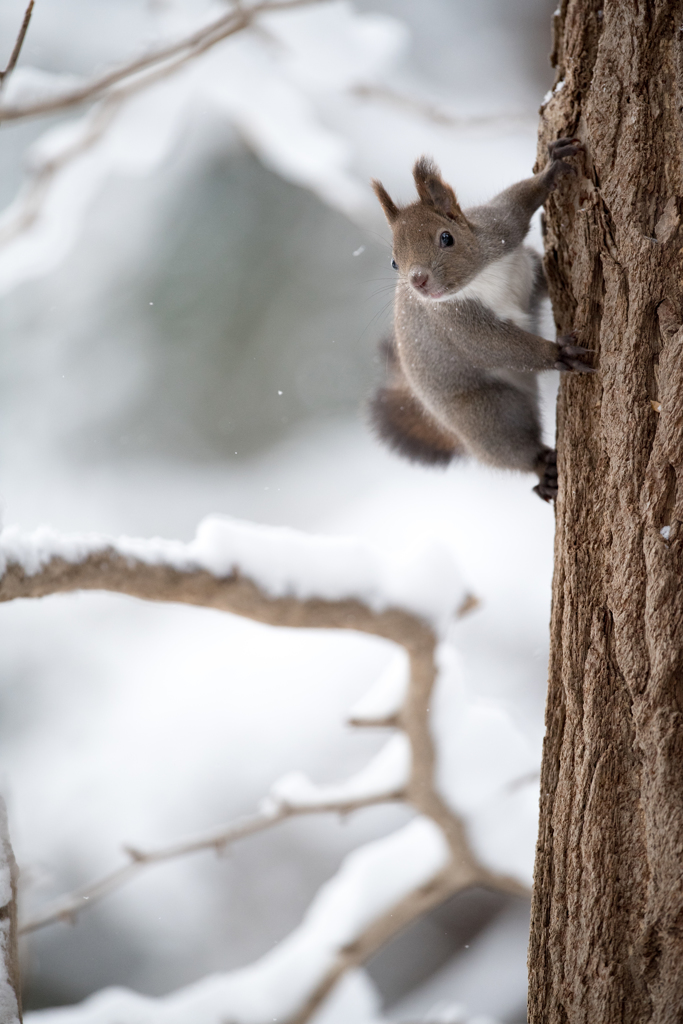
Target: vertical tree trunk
pixel 607 919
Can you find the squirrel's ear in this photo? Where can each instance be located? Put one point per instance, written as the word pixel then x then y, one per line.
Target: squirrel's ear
pixel 390 208
pixel 434 191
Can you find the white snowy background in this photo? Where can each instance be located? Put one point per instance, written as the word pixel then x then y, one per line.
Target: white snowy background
pixel 189 327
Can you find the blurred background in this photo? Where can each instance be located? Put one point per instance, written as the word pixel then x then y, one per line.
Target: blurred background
pixel 189 325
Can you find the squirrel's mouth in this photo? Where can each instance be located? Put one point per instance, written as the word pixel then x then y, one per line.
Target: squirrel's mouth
pixel 435 295
pixel 430 294
pixel 424 283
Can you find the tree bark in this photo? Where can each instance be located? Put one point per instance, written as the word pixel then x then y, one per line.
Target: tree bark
pixel 607 917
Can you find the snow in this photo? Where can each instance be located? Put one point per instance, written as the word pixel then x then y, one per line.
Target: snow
pixel 353 999
pixel 512 813
pixel 282 561
pixel 331 46
pixel 553 92
pixel 370 882
pixel 374 878
pixel 387 695
pixel 386 773
pixel 35 85
pixel 486 770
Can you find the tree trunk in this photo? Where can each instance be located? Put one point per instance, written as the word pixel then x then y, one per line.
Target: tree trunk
pixel 607 919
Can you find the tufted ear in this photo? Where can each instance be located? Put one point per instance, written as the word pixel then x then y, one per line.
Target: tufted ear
pixel 433 191
pixel 390 208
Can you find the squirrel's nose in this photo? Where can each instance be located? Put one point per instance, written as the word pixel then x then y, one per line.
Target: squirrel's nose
pixel 419 278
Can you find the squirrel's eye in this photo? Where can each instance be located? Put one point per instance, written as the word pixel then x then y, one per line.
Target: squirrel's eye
pixel 394 264
pixel 446 239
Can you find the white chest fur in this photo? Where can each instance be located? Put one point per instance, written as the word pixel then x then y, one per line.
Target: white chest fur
pixel 505 287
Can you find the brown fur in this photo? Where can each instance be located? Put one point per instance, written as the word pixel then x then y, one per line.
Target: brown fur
pixel 404 424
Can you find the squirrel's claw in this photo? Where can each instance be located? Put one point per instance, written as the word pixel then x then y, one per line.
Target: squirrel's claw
pixel 545 492
pixel 575 365
pixel 572 356
pixel 546 488
pixel 557 151
pixel 561 148
pixel 574 350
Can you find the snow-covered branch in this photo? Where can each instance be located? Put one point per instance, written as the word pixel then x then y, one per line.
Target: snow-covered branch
pixel 285 578
pixel 274 575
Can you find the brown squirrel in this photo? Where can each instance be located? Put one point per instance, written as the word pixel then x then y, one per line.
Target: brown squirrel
pixel 464 355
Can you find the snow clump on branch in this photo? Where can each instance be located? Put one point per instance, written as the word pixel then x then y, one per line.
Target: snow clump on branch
pixel 282 561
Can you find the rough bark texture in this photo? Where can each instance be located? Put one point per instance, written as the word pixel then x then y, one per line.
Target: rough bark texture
pixel 607 919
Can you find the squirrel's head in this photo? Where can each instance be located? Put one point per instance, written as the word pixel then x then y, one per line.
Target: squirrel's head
pixel 435 250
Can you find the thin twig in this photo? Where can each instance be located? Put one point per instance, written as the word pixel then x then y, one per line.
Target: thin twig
pixel 184 49
pixel 18 44
pixel 430 112
pixel 67 907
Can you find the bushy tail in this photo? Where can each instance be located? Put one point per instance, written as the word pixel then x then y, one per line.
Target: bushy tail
pixel 401 421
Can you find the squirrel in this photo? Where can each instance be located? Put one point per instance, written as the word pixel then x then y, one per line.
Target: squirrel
pixel 464 355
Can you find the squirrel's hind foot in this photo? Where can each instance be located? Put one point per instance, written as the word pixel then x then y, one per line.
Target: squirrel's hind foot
pixel 546 488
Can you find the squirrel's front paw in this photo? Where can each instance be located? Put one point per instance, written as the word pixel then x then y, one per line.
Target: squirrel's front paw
pixel 557 151
pixel 571 355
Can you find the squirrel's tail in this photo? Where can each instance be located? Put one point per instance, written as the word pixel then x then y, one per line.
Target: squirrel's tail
pixel 401 421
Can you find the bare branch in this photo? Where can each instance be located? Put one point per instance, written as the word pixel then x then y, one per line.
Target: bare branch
pixel 14 57
pixel 173 56
pixel 67 907
pixel 107 569
pixel 430 112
